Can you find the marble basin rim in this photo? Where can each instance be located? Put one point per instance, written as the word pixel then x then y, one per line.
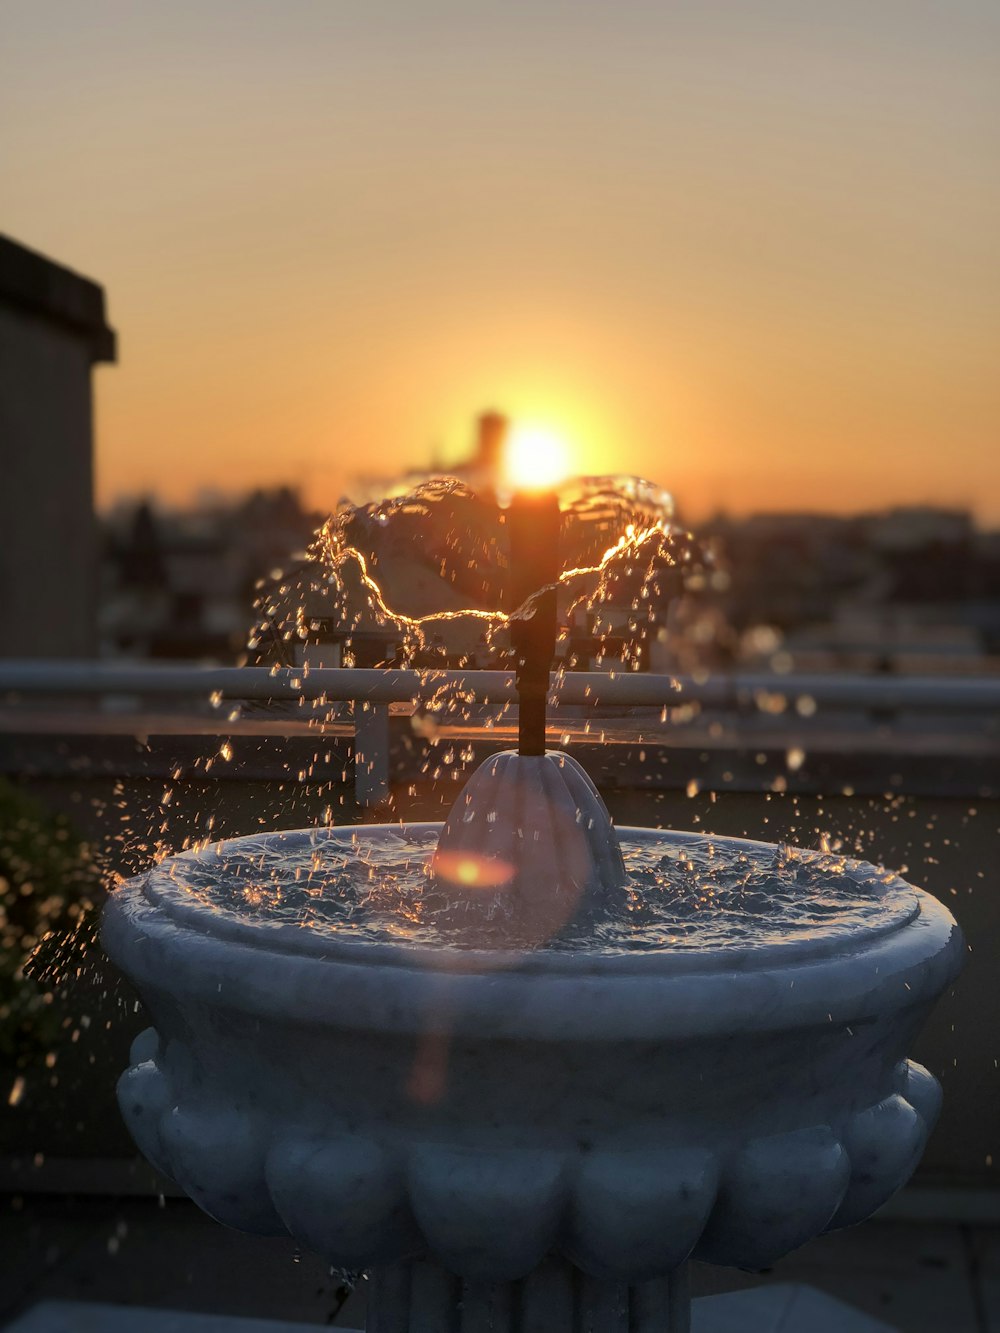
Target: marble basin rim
pixel 698 990
pixel 485 1109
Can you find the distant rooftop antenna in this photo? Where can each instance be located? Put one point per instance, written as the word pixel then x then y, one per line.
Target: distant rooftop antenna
pixel 491 435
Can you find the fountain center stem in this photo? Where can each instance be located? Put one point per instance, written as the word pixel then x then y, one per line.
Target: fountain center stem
pixel 533 522
pixel 530 826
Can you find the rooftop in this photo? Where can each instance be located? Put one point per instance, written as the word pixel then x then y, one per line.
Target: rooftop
pixel 31 282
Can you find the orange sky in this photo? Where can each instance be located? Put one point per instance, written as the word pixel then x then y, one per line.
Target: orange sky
pixel 747 250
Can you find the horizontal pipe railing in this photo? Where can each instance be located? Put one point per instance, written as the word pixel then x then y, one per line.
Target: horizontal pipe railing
pixel 723 690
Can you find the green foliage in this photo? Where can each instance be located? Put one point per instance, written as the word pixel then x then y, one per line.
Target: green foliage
pixel 49 883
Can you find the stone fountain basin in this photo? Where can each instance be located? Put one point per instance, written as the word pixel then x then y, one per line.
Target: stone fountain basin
pixel 485 1109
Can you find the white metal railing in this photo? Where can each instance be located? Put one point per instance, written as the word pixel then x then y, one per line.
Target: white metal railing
pixel 375 685
pixel 374 689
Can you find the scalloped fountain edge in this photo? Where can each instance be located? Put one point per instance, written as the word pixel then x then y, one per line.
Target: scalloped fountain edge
pixel 363 1199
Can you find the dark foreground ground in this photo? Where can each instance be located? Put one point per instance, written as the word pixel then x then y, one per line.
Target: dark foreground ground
pixel 921 1277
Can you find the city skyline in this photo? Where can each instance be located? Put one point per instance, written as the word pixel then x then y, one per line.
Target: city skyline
pixel 750 257
pixel 364 491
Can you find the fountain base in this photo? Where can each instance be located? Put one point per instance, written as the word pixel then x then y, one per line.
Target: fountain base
pixel 555 1297
pixel 485 1109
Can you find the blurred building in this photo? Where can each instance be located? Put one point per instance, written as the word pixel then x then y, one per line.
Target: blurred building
pixel 914 590
pixel 181 585
pixel 52 332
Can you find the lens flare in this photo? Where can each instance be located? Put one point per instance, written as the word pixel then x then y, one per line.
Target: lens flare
pixel 470 871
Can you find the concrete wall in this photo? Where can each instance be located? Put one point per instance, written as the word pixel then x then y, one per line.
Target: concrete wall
pixel 52 331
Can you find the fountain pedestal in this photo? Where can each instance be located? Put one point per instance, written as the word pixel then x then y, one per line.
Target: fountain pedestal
pixel 556 1297
pixel 558 1131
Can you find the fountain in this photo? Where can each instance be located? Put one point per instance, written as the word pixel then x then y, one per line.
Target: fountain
pixel 521 1067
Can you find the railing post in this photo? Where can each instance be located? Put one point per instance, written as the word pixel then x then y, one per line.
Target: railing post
pixel 371 752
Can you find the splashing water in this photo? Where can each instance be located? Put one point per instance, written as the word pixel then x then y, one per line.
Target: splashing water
pixel 442 550
pixel 683 892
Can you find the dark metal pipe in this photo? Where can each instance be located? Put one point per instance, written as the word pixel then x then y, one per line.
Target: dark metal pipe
pixel 533 532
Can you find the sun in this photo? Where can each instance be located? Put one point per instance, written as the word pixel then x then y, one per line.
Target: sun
pixel 535 458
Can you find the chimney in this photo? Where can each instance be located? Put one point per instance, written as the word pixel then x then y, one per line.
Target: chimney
pixel 492 432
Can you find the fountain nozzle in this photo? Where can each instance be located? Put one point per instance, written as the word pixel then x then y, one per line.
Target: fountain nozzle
pixel 533 523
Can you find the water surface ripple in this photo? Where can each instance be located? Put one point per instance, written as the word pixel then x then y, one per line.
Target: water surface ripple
pixel 684 892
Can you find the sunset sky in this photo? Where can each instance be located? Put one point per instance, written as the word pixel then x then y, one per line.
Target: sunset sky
pixel 749 250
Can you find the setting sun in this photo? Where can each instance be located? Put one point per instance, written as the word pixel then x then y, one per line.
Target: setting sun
pixel 536 458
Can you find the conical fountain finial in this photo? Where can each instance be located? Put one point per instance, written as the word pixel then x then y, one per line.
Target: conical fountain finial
pixel 529 846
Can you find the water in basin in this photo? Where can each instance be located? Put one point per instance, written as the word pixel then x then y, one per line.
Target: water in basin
pixel 683 892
